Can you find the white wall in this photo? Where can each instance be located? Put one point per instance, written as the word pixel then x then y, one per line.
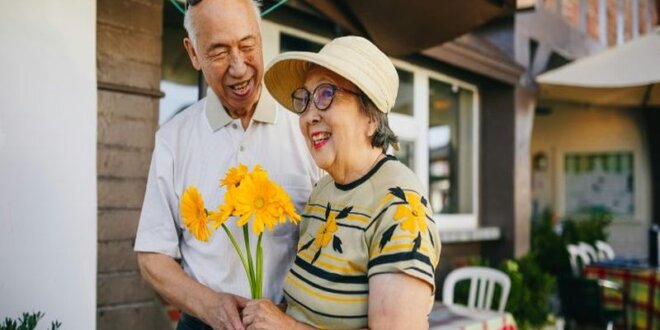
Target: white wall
pixel 568 130
pixel 48 160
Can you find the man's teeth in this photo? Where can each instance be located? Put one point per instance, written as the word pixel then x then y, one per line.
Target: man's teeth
pixel 241 85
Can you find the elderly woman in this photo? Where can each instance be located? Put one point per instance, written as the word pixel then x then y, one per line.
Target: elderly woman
pixel 368 246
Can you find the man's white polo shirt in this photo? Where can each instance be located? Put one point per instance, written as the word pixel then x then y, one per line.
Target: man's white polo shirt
pixel 197 147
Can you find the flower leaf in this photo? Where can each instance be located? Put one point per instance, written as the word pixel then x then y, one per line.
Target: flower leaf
pixel 304 247
pixel 327 211
pixel 336 244
pixel 417 241
pixel 316 256
pixel 387 236
pixel 398 192
pixel 431 237
pixel 344 213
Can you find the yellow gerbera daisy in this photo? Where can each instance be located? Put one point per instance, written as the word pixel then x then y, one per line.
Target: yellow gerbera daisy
pixel 225 210
pixel 288 209
pixel 412 215
pixel 194 214
pixel 257 196
pixel 234 176
pixel 326 232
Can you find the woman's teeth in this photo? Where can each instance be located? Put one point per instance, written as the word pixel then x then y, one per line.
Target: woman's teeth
pixel 320 137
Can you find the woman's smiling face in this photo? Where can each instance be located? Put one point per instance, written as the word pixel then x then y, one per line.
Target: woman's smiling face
pixel 336 135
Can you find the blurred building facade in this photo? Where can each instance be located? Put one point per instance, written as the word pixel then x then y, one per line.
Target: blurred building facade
pixel 467 114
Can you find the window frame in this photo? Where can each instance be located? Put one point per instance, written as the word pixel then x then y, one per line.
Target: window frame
pixel 409 128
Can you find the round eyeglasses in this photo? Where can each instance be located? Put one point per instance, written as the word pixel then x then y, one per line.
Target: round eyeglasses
pixel 322 97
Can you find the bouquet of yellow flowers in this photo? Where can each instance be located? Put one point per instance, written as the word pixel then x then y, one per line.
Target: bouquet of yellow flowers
pixel 249 196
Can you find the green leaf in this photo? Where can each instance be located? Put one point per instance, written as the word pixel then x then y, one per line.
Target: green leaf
pixel 430 236
pixel 304 247
pixel 398 192
pixel 336 244
pixel 417 241
pixel 344 213
pixel 387 236
pixel 316 256
pixel 327 211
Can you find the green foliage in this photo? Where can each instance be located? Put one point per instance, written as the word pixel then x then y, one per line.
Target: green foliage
pixel 28 321
pixel 531 288
pixel 548 247
pixel 533 275
pixel 587 228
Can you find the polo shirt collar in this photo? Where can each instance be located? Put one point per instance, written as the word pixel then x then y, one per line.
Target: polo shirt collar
pixel 218 117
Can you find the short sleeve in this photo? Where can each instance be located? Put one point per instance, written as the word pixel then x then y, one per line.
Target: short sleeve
pixel 158 230
pixel 404 237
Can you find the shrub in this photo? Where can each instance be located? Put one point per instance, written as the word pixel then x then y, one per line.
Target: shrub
pixel 28 321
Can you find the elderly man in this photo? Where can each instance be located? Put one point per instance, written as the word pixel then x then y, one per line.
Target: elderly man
pixel 238 122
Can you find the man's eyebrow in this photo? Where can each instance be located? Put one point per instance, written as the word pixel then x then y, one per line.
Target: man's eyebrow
pixel 249 38
pixel 217 45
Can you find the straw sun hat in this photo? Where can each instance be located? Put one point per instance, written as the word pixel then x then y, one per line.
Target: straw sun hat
pixel 354 58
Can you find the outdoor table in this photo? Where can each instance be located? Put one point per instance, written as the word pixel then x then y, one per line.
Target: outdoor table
pixel 459 317
pixel 642 284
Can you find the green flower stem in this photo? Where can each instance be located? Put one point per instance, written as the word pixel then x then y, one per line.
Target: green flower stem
pixel 260 270
pixel 252 278
pixel 238 250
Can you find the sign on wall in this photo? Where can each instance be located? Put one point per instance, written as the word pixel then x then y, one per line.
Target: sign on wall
pixel 599 182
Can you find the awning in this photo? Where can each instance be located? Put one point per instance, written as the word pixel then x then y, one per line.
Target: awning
pixel 405 27
pixel 626 76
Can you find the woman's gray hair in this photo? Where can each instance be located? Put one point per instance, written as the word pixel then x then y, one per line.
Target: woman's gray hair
pixel 189 25
pixel 383 136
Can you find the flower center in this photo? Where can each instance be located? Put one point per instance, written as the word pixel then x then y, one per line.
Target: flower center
pixel 414 213
pixel 259 202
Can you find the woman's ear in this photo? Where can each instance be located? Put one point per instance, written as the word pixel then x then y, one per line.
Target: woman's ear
pixel 373 125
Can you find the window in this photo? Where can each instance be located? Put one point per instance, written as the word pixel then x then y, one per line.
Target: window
pixel 405 96
pixel 451 145
pixel 292 43
pixel 436 119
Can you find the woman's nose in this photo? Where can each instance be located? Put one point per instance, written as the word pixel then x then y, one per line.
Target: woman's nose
pixel 312 114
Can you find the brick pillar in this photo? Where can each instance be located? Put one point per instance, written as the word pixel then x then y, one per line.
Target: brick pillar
pixel 129 40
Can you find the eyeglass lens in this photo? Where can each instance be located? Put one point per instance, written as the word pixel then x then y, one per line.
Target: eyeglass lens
pixel 322 97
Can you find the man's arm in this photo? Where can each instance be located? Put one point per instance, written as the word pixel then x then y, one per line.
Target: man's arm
pixel 218 310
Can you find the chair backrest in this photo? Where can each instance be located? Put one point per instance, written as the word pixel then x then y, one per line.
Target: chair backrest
pixel 605 251
pixel 589 250
pixel 482 287
pixel 578 258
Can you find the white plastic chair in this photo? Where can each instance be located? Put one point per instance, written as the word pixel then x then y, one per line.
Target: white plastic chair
pixel 481 278
pixel 605 251
pixel 589 250
pixel 578 258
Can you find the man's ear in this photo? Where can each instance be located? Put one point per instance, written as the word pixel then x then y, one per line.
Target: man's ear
pixel 190 48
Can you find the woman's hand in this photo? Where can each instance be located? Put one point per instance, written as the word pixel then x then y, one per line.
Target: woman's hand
pixel 264 315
